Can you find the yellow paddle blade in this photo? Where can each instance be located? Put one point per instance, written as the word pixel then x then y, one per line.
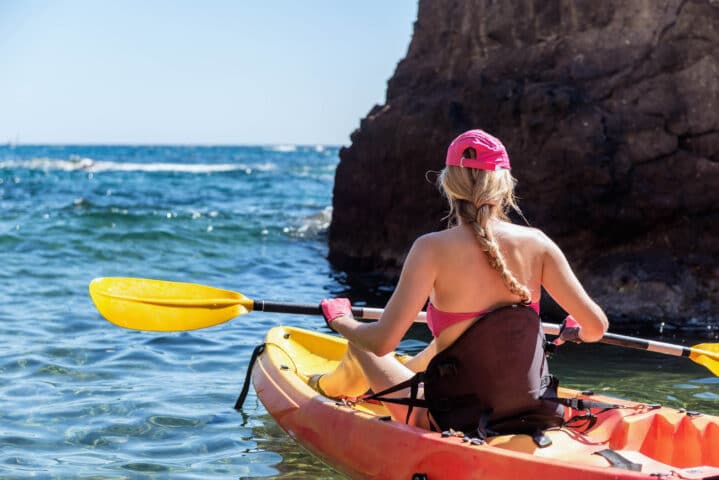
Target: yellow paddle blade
pixel 157 305
pixel 706 354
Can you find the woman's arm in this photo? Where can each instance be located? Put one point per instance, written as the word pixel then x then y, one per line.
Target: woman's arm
pixel 410 295
pixel 562 284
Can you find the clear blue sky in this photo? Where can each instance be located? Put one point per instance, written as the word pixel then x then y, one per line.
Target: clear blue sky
pixel 196 72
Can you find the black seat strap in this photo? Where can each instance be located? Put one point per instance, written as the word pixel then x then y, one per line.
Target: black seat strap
pixel 411 402
pixel 582 404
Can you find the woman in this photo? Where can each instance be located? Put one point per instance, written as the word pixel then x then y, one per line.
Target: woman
pixel 482 263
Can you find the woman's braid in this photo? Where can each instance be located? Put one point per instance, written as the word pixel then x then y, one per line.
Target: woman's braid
pixel 478 218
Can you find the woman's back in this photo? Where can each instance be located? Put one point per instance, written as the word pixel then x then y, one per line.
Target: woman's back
pixel 466 282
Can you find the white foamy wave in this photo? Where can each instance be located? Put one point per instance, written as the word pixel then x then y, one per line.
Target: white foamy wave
pixel 312 225
pixel 166 167
pixel 264 167
pixel 49 164
pixel 283 148
pixel 88 164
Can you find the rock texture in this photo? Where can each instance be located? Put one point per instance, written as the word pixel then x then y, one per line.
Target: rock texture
pixel 610 113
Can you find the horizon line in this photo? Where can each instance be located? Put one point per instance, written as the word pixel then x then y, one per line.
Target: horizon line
pixel 166 144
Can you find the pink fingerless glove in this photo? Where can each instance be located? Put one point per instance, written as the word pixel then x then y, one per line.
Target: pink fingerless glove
pixel 569 331
pixel 333 308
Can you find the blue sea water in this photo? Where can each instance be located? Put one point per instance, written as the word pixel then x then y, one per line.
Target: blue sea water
pixel 82 398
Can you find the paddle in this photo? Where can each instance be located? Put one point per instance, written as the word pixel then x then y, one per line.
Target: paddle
pixel 162 306
pixel 706 354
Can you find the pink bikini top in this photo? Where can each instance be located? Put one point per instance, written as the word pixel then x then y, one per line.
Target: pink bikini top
pixel 437 320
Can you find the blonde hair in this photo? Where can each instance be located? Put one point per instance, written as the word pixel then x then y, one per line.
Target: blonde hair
pixel 476 196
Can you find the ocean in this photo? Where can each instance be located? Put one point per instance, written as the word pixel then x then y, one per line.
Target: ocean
pixel 82 398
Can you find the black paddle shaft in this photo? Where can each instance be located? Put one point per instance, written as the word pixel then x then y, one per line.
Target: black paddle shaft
pixel 298 308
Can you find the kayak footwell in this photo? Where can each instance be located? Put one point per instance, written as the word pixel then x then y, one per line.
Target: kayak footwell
pixel 360 440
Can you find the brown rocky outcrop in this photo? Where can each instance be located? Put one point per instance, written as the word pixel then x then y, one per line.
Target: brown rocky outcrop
pixel 610 113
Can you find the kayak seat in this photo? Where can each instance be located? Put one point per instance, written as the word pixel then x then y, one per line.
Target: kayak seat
pixel 493 379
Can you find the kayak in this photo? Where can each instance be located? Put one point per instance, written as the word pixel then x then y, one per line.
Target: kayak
pixel 359 439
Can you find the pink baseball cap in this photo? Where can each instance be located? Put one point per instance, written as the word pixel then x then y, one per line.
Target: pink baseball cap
pixel 491 154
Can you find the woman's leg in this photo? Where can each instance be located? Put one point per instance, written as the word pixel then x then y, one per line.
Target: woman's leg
pixel 347 379
pixel 361 369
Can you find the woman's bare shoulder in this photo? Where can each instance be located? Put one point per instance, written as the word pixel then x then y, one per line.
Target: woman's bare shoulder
pixel 440 235
pixel 440 241
pixel 522 233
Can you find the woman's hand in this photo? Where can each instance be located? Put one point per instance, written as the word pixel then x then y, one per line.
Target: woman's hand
pixel 570 331
pixel 333 308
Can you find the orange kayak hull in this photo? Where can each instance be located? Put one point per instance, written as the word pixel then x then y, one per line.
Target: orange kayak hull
pixel 362 442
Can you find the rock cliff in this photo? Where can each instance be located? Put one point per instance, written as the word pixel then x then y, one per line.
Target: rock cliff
pixel 610 113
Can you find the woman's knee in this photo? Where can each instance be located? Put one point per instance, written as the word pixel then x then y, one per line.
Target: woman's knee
pixel 358 354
